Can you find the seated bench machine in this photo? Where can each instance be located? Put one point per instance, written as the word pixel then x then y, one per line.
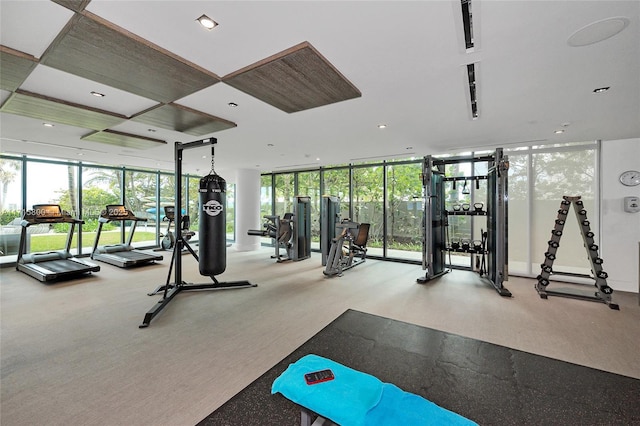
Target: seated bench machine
pixel 291 232
pixel 348 249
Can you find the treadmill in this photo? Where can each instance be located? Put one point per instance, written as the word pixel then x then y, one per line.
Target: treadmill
pixel 53 265
pixel 121 255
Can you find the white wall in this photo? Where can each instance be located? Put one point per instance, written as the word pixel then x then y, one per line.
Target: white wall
pixel 620 230
pixel 247 209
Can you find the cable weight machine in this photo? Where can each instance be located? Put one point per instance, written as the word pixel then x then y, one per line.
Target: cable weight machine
pixel 490 250
pixel 292 232
pixel 212 235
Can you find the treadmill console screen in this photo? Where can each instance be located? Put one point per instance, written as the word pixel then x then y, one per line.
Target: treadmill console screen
pixel 47 211
pixel 116 210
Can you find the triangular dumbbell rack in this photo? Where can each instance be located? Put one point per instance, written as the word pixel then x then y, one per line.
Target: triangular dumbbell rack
pixel 603 293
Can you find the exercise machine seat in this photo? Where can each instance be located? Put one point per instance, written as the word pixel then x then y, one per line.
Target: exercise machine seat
pixel 285 228
pixel 359 244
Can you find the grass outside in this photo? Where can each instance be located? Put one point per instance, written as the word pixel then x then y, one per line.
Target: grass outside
pixel 49 242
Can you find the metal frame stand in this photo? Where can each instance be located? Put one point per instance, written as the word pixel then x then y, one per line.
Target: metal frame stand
pixel 492 247
pixel 170 290
pixel 603 293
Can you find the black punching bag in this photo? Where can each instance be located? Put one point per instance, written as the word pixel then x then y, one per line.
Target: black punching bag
pixel 212 254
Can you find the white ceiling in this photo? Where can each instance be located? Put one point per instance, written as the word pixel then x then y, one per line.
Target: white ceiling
pixel 407 58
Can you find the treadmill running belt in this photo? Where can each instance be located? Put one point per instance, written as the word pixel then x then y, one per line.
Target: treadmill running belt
pixel 63 266
pixel 133 255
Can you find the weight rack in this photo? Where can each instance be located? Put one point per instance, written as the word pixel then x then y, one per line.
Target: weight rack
pixel 599 275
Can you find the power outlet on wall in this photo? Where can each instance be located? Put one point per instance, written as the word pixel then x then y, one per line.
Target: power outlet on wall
pixel 631 204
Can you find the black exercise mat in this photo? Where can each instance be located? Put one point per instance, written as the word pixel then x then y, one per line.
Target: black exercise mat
pixel 487 383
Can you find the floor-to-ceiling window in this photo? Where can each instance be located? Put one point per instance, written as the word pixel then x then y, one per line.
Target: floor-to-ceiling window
pixel 538 178
pixel 51 183
pixel 192 204
pixel 231 211
pixel 285 191
pixel 518 215
pixel 10 205
pixel 336 183
pixel 309 185
pixel 266 203
pixel 556 172
pixel 368 204
pixel 404 211
pixel 140 198
pixel 100 187
pixel 84 191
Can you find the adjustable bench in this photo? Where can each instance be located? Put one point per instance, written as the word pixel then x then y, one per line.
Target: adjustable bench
pixel 354 398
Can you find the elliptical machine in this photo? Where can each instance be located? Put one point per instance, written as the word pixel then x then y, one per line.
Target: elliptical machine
pixel 169 239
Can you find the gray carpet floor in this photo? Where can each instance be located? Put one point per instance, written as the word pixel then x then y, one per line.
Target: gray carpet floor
pixel 72 352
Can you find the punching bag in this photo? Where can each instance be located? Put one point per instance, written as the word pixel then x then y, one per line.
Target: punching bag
pixel 212 254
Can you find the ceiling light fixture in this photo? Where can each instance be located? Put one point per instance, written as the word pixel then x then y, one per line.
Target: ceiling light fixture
pixel 207 22
pixel 47 125
pixel 559 132
pixel 232 104
pixel 601 89
pixel 97 94
pixel 382 126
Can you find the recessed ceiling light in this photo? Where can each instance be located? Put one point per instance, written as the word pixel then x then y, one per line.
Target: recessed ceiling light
pixel 97 94
pixel 558 132
pixel 232 104
pixel 47 125
pixel 382 126
pixel 207 22
pixel 601 89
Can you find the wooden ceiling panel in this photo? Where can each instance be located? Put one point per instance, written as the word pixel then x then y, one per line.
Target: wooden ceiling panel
pixel 182 119
pixel 54 110
pixel 122 139
pixel 94 48
pixel 75 5
pixel 296 79
pixel 16 67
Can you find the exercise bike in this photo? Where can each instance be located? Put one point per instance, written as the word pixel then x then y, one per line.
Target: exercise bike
pixel 169 239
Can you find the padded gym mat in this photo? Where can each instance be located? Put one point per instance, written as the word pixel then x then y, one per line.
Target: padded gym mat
pixel 487 383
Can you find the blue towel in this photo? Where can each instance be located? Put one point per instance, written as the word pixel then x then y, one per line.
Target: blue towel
pixel 354 398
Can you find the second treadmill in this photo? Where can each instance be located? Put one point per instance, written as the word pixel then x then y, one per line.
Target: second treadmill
pixel 121 255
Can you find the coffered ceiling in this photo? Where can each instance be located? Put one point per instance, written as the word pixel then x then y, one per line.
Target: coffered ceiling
pixel 291 85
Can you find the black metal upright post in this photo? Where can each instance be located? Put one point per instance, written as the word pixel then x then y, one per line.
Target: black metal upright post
pixel 170 290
